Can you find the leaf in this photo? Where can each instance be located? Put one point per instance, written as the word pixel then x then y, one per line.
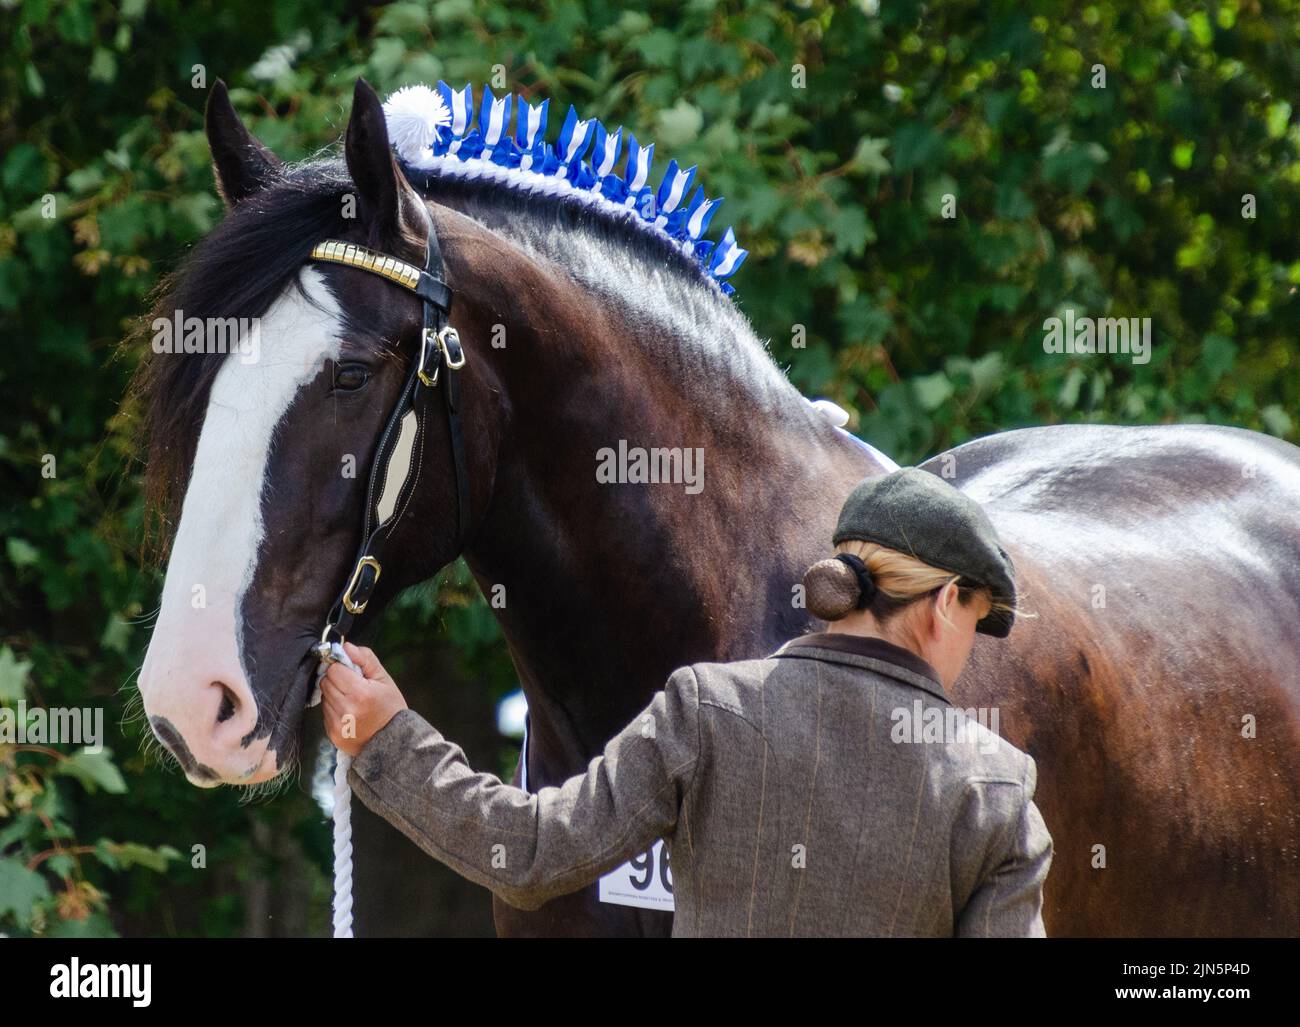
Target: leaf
pixel 76 23
pixel 678 125
pixel 1279 117
pixel 1276 421
pixel 1071 163
pixel 106 853
pixel 85 180
pixel 986 372
pixel 631 23
pixel 1069 394
pixel 657 47
pixel 198 209
pixel 94 771
pixel 20 890
pixel 97 925
pixel 1198 24
pixel 35 84
pixel 21 553
pixel 401 18
pixel 132 854
pixel 936 193
pixel 915 145
pixel 852 230
pixel 13 675
pixel 864 320
pixel 932 390
pixel 103 66
pixel 1123 217
pixel 24 170
pixel 117 634
pixel 1013 203
pixel 813 368
pixel 1218 355
pixel 869 158
pixel 16 830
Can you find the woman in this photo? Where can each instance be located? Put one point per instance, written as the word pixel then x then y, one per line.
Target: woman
pixel 829 789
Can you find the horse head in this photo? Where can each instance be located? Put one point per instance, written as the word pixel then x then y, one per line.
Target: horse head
pixel 270 441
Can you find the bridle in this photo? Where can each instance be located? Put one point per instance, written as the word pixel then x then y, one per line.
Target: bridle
pixel 393 479
pixel 394 475
pixel 396 468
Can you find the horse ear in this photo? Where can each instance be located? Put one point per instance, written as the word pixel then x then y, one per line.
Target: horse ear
pixel 241 165
pixel 386 203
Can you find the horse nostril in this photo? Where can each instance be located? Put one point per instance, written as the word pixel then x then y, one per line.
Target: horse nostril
pixel 170 739
pixel 229 703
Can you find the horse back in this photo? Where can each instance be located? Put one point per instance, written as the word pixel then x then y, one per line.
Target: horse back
pixel 1153 674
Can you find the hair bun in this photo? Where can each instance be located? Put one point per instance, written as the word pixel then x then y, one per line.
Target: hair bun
pixel 866 583
pixel 832 589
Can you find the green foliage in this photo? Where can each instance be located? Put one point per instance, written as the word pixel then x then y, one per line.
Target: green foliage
pixel 839 132
pixel 44 884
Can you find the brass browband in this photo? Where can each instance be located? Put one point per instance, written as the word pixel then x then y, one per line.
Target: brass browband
pixel 351 255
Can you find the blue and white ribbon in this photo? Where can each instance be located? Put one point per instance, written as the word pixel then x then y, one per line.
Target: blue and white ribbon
pixel 493 117
pixel 428 125
pixel 529 131
pixel 604 155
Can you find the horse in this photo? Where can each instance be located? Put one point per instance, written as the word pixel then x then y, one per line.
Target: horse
pixel 1153 678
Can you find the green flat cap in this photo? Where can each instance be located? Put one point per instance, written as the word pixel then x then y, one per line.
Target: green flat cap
pixel 920 514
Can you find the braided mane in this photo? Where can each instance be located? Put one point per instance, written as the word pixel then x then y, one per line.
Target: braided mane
pixel 434 131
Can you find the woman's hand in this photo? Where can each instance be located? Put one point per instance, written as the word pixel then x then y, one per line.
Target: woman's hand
pixel 356 707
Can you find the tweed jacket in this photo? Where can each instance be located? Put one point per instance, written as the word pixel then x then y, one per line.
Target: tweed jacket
pixel 829 789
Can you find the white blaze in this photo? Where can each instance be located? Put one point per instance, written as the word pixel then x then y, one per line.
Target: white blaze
pixel 221 529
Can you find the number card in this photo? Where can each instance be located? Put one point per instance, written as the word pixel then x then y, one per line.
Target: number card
pixel 645 881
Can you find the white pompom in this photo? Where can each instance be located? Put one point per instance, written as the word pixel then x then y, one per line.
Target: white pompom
pixel 413 114
pixel 837 415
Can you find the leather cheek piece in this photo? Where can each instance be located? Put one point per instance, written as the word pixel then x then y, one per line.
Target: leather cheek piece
pixel 398 469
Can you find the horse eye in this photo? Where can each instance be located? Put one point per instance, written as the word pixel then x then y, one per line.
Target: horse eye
pixel 351 377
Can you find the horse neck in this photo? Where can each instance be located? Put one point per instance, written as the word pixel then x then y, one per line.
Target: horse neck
pixel 608 587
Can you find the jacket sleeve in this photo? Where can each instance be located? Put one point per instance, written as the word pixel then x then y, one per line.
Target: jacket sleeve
pixel 529 848
pixel 1008 903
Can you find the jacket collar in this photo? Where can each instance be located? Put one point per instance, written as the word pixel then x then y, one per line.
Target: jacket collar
pixel 870 654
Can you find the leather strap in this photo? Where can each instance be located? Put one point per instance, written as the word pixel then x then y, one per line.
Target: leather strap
pixel 397 461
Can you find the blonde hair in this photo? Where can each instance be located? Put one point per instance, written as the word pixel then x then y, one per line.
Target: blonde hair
pixel 832 589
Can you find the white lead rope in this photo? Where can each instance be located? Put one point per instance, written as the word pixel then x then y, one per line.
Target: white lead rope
pixel 342 811
pixel 342 847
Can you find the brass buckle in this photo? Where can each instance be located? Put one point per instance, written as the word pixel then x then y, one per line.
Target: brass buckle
pixel 446 351
pixel 348 604
pixel 452 365
pixel 428 381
